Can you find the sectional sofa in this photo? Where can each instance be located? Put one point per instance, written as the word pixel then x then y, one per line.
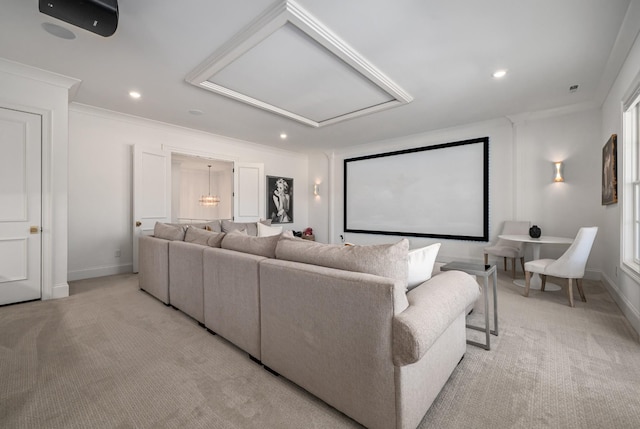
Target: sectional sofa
pixel 336 320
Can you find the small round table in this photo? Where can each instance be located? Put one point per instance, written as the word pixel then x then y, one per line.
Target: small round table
pixel 536 243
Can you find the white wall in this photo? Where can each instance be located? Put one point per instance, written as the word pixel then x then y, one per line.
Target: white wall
pixel 570 135
pixel 36 91
pixel 100 181
pixel 521 151
pixel 624 287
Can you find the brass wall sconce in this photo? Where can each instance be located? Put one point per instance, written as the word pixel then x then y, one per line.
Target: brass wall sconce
pixel 558 168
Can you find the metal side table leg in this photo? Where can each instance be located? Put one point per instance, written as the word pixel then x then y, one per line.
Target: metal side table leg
pixel 495 303
pixel 487 327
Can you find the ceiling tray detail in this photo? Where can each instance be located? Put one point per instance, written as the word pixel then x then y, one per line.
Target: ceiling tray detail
pixel 288 63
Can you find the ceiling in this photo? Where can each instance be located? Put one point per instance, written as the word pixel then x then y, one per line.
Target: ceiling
pixel 441 53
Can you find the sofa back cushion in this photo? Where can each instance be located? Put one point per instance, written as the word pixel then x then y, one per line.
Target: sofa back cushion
pixel 241 242
pixel 203 237
pixel 212 225
pixel 169 232
pixel 386 260
pixel 251 228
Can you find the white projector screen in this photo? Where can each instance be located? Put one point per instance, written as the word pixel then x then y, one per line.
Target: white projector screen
pixel 437 191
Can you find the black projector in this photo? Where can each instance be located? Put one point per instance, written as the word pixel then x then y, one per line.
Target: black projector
pixel 97 16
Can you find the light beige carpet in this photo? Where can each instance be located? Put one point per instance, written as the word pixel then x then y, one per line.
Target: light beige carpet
pixel 111 356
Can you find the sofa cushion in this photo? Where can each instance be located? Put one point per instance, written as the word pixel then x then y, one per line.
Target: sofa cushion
pixel 212 225
pixel 241 242
pixel 421 264
pixel 203 237
pixel 268 231
pixel 250 227
pixel 387 260
pixel 169 232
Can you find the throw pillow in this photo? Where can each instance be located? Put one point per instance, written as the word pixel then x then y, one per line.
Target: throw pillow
pixel 216 239
pixel 203 237
pixel 387 260
pixel 168 232
pixel 421 264
pixel 251 227
pixel 268 231
pixel 241 242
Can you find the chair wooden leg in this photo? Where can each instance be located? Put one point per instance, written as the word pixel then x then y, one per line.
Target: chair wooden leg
pixel 527 282
pixel 513 267
pixel 522 263
pixel 570 292
pixel 486 259
pixel 580 291
pixel 544 282
pixel 505 263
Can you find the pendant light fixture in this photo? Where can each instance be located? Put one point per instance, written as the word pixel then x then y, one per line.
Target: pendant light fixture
pixel 208 200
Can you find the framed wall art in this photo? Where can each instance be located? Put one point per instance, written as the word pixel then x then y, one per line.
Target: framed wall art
pixel 610 171
pixel 279 199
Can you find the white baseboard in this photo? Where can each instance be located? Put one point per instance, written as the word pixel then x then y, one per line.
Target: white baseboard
pixel 90 273
pixel 593 275
pixel 60 291
pixel 631 313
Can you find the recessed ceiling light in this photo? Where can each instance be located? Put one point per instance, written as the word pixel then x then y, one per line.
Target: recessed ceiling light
pixel 134 94
pixel 499 73
pixel 196 112
pixel 283 136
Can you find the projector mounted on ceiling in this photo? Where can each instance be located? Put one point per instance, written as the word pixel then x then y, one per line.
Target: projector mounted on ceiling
pixel 97 16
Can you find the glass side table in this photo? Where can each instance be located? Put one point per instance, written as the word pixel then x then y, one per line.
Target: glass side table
pixel 484 271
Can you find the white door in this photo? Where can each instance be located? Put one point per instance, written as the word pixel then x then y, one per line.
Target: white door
pixel 151 192
pixel 249 190
pixel 20 206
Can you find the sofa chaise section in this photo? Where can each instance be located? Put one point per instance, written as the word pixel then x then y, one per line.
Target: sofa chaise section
pixel 332 332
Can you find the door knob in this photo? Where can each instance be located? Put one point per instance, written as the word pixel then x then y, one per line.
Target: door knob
pixel 138 223
pixel 34 230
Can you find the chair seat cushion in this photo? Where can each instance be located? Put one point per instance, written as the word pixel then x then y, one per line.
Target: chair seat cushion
pixel 507 251
pixel 538 266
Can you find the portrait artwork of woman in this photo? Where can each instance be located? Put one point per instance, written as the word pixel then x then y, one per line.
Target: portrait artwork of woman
pixel 280 205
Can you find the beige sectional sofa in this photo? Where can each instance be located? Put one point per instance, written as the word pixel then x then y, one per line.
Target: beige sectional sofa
pixel 336 320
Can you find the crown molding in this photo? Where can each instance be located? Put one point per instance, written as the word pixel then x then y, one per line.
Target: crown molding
pixel 271 20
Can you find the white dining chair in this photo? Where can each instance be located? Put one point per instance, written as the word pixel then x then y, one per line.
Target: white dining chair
pixel 509 249
pixel 570 265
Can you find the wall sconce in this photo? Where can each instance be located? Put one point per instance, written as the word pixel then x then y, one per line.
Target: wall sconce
pixel 316 189
pixel 558 173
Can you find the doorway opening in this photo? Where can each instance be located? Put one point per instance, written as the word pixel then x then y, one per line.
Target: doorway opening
pixel 191 178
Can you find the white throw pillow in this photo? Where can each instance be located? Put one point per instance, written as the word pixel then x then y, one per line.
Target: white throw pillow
pixel 421 264
pixel 268 231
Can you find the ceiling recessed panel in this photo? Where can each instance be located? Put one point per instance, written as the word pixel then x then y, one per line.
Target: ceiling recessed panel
pixel 292 71
pixel 288 63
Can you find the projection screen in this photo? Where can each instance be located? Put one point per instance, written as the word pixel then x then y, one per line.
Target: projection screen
pixel 439 191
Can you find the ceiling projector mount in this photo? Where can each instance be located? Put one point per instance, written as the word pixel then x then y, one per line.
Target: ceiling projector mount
pixel 96 16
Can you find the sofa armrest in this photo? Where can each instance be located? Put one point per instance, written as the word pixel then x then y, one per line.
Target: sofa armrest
pixel 433 306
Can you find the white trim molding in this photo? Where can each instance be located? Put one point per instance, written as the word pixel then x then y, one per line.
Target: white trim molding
pixel 289 13
pixel 630 312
